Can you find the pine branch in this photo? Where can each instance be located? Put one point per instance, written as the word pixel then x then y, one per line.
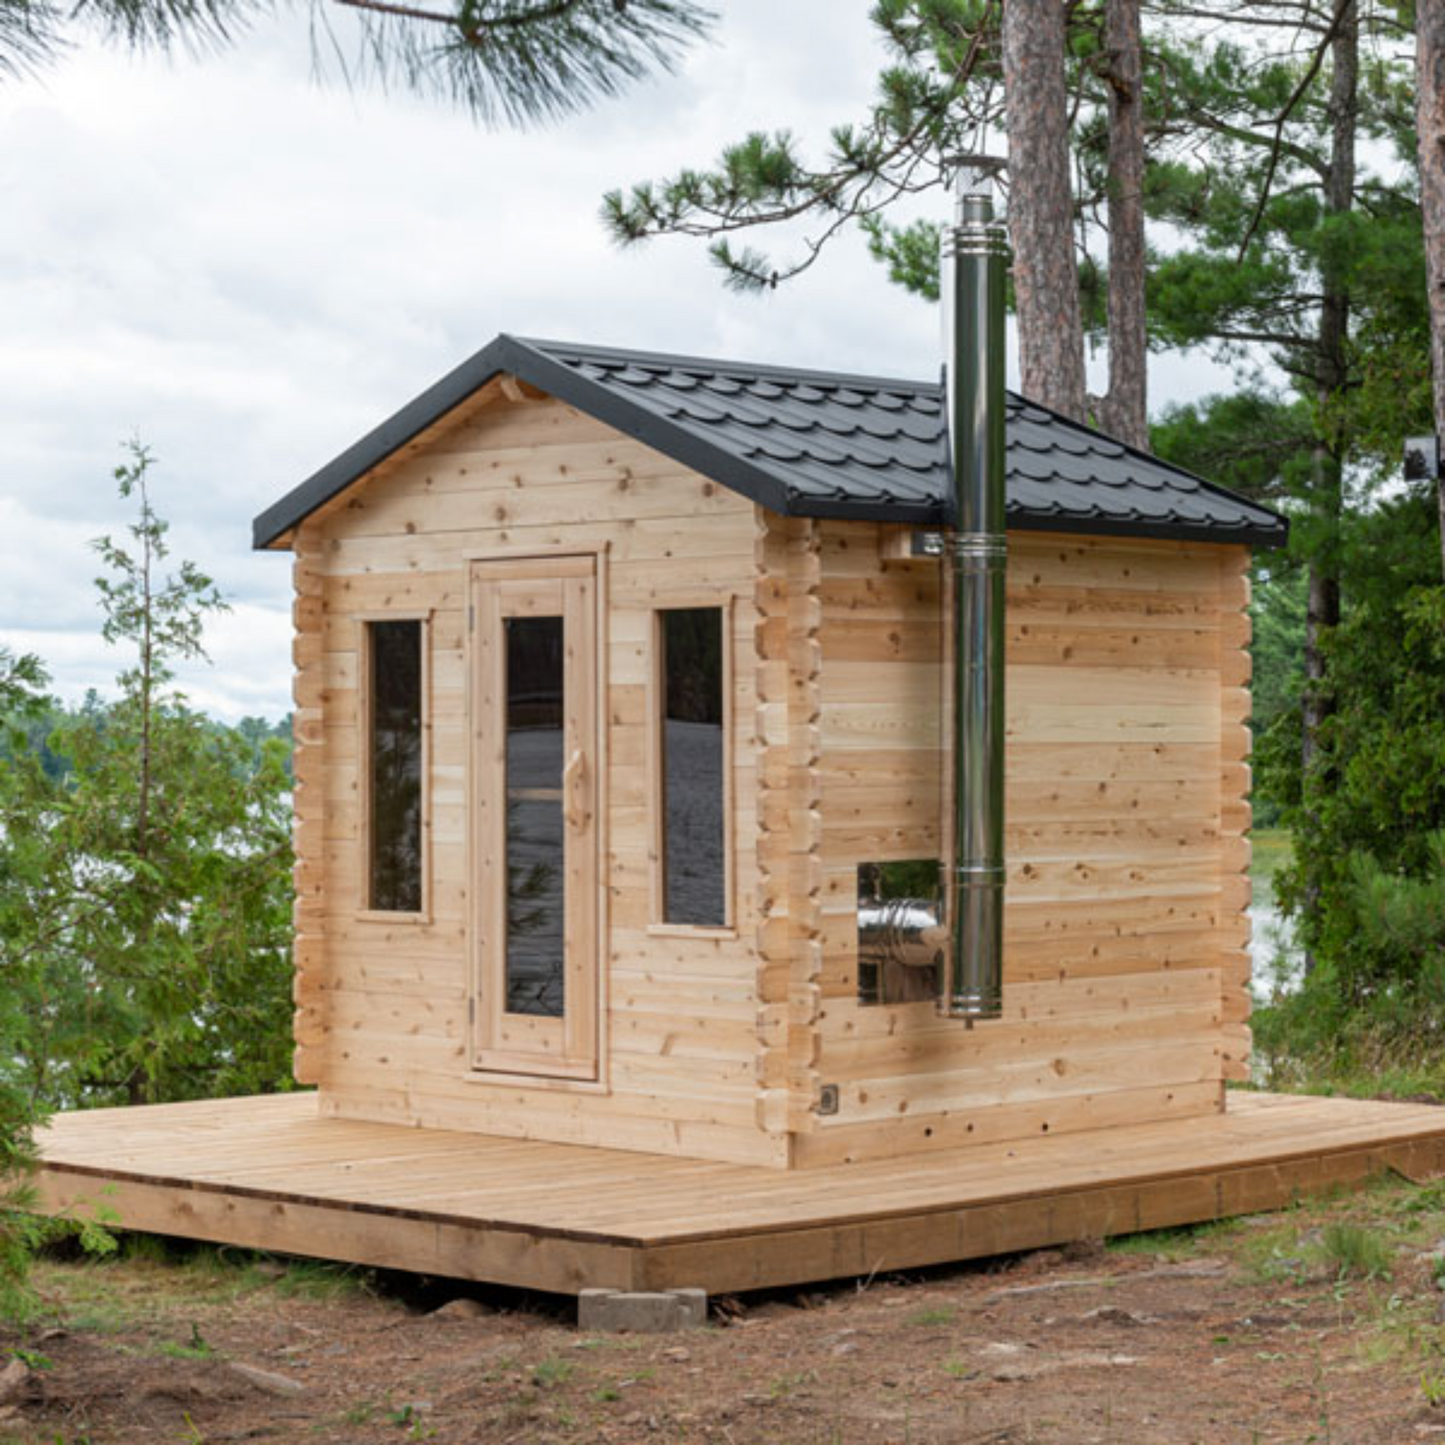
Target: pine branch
pixel 1342 10
pixel 918 121
pixel 500 59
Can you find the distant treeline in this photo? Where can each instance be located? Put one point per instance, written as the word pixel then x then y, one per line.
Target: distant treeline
pixel 39 733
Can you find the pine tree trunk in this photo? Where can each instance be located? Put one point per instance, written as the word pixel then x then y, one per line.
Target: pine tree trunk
pixel 1041 206
pixel 1332 374
pixel 1124 413
pixel 1430 124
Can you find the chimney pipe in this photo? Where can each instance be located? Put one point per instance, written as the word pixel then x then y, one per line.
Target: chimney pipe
pixel 958 938
pixel 975 259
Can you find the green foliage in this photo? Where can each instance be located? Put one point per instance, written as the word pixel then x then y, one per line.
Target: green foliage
pixel 1252 441
pixel 144 889
pixel 1354 1251
pixel 524 61
pixel 909 252
pixel 144 879
pixel 551 1373
pixel 1277 617
pixel 1258 443
pixel 940 84
pixel 198 1348
pixel 518 61
pixel 21 682
pixel 1369 824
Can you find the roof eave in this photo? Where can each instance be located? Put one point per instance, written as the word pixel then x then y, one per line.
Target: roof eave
pixel 1265 535
pixel 381 442
pixel 922 514
pixel 510 356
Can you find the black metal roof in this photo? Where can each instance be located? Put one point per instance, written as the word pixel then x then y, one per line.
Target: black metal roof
pixel 820 444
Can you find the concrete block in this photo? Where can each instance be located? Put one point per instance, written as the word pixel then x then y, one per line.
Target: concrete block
pixel 691 1306
pixel 615 1311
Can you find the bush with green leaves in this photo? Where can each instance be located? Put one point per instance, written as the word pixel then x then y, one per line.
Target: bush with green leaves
pixel 145 893
pixel 1369 816
pixel 22 683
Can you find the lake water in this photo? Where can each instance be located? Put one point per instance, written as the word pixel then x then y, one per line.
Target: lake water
pixel 1276 964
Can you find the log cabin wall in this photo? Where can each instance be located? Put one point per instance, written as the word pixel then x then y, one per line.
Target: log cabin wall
pixel 381 1021
pixel 1125 969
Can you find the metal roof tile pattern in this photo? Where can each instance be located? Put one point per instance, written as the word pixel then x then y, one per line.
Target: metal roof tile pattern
pixel 809 443
pixel 876 447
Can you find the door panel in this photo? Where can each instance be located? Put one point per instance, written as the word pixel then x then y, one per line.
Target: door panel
pixel 534 789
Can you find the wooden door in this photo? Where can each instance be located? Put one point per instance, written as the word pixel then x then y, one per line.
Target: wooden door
pixel 534 803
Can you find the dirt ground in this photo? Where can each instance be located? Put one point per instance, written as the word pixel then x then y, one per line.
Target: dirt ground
pixel 1319 1324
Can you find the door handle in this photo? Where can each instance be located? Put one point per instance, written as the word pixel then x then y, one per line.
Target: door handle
pixel 574 791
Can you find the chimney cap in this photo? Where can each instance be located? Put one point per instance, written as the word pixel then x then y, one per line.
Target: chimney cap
pixel 973 172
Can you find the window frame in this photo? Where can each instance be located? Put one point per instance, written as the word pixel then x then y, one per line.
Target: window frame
pixel 423 617
pixel 658 926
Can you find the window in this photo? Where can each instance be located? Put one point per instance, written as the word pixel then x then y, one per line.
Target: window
pixel 536 823
pixel 692 802
pixel 395 801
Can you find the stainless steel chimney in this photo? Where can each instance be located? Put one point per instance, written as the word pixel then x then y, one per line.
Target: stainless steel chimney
pixel 974 264
pixel 905 937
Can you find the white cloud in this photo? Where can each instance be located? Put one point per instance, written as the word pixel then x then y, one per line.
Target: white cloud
pixel 249 270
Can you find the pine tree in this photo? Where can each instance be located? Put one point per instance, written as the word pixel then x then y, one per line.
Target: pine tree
pixel 145 887
pixel 1430 126
pixel 1045 277
pixel 948 87
pixel 516 61
pixel 1292 248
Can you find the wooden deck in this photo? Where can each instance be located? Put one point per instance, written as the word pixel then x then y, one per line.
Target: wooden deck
pixel 269 1173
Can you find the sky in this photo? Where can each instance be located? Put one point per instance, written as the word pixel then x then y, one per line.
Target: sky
pixel 246 267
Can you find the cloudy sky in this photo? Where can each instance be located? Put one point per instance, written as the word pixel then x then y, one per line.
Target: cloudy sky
pixel 247 268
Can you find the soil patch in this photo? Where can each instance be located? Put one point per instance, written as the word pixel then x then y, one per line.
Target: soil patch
pixel 1265 1330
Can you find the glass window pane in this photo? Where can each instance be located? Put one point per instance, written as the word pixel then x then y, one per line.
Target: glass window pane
pixel 536 834
pixel 694 826
pixel 396 781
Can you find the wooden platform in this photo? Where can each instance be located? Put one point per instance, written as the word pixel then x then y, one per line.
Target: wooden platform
pixel 269 1173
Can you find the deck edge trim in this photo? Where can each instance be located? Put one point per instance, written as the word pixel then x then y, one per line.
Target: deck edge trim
pixel 1417 1134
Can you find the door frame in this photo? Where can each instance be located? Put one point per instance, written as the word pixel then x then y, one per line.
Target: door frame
pixel 578 1060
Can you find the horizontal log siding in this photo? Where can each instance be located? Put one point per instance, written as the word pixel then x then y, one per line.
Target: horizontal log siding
pixel 1125 975
pixel 384 1021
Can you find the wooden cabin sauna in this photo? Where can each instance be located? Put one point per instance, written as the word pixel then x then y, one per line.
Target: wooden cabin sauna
pixel 630 790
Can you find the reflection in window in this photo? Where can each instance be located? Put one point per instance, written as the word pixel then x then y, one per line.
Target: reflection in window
pixel 395 749
pixel 694 833
pixel 536 830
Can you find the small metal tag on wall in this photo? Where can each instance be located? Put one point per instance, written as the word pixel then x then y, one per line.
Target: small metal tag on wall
pixel 828 1099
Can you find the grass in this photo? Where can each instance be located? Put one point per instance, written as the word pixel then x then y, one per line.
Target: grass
pixel 1369 1063
pixel 1275 1253
pixel 1355 1252
pixel 785 1385
pixel 549 1374
pixel 1177 1243
pixel 146 1277
pixel 1371 1258
pixel 197 1349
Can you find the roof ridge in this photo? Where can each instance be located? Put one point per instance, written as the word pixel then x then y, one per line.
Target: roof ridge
pixel 722 364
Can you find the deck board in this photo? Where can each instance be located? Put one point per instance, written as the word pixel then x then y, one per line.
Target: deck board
pixel 272 1173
